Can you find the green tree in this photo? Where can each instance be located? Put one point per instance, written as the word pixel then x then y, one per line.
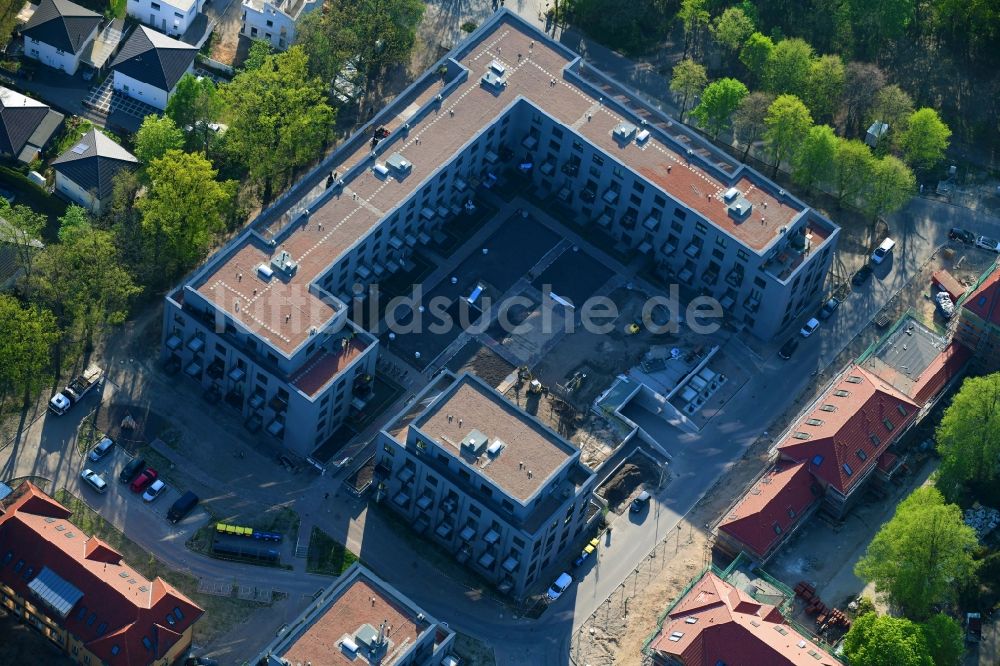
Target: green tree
pixel 882 640
pixel 732 28
pixel 825 86
pixel 386 31
pixel 694 18
pixel 21 228
pixel 890 185
pixel 879 23
pixel 924 139
pixel 788 66
pixel 84 281
pixel 687 82
pixel 968 437
pixel 28 335
pixel 195 103
pixel 328 40
pixel 814 160
pixel 155 137
pixel 748 120
pixel 279 118
pixel 945 640
pixel 182 212
pixel 718 103
pixel 893 106
pixel 756 53
pixel 852 167
pixel 921 557
pixel 258 52
pixel 73 222
pixel 787 122
pixel 634 31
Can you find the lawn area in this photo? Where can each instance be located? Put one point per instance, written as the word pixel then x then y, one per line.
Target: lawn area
pixel 327 555
pixel 34 197
pixel 221 613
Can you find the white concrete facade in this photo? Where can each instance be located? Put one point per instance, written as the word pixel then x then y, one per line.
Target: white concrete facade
pixel 142 91
pixel 274 22
pixel 77 194
pixel 170 18
pixel 53 57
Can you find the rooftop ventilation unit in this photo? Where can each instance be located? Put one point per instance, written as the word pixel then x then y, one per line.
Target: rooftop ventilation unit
pixel 265 272
pixel 283 262
pixel 642 137
pixel 623 132
pixel 740 208
pixel 475 443
pixel 494 449
pixel 731 194
pixel 399 164
pixel 495 77
pixel 380 170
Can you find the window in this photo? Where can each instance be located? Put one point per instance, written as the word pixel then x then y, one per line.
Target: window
pixel 91 619
pixel 854 379
pixel 115 649
pixel 177 613
pixel 875 440
pixel 720 241
pixel 888 424
pixel 828 408
pixel 847 469
pixel 155 6
pixel 759 282
pixel 680 214
pixel 18 566
pixel 102 628
pixel 814 422
pixel 178 15
pixel 700 227
pixel 862 455
pixel 475 510
pixel 8 557
pixel 841 393
pixel 148 644
pixel 577 146
pixel 777 528
pixel 791 512
pixel 508 505
pixel 389 448
pixel 817 460
pixel 421 445
pixel 82 613
pixel 597 159
pixel 742 255
pixel 801 435
pixel 901 409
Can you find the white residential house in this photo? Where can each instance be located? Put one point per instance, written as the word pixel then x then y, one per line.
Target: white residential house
pixel 26 125
pixel 171 17
pixel 149 66
pixel 58 34
pixel 85 174
pixel 274 22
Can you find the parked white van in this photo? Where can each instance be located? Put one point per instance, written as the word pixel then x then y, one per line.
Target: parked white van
pixel 883 250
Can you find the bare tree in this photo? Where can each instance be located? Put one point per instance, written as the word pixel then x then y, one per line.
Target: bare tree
pixel 862 82
pixel 748 120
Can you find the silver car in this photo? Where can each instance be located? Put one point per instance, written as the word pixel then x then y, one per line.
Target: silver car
pixel 94 480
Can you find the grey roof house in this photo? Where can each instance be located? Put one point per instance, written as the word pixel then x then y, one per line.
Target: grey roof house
pixel 85 173
pixel 26 125
pixel 149 66
pixel 59 33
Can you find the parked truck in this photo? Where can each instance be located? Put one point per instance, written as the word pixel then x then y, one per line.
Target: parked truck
pixel 81 385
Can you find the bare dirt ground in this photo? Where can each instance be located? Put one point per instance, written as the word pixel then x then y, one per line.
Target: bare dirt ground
pixel 225 41
pixel 482 362
pixel 638 473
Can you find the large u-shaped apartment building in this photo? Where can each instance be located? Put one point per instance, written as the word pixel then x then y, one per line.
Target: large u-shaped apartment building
pixel 264 322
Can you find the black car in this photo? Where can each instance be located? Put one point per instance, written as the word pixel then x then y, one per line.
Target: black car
pixel 789 347
pixel 862 275
pixel 962 235
pixel 829 308
pixel 132 469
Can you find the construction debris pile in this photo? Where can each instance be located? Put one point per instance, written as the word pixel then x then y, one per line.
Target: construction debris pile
pixel 981 518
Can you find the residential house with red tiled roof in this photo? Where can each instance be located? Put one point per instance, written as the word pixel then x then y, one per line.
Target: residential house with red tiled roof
pixel 774 507
pixel 718 623
pixel 843 434
pixel 979 320
pixel 79 592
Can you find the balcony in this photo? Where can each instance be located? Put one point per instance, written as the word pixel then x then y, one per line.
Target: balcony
pixel 216 369
pixel 510 564
pixel 444 530
pixel 588 196
pixel 693 250
pixel 421 524
pixel 402 500
pixel 486 561
pixel 710 276
pixel 257 401
pixel 276 428
pixel 196 344
pixel 463 554
pixel 467 534
pixel 751 304
pixel 425 502
pixel 237 374
pixel 491 537
pixel 405 475
pixel 610 196
pixel 174 342
pixel 651 224
pixel 734 277
pixel 571 169
pixel 628 222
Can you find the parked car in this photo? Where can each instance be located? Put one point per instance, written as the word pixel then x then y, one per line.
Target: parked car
pixel 558 587
pixel 94 480
pixel 862 275
pixel 130 470
pixel 945 305
pixel 640 502
pixel 829 308
pixel 883 250
pixel 154 490
pixel 143 480
pixel 588 550
pixel 182 507
pixel 809 328
pixel 789 347
pixel 987 243
pixel 101 449
pixel 962 235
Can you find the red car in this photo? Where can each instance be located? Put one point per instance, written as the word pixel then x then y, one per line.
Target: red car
pixel 147 477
